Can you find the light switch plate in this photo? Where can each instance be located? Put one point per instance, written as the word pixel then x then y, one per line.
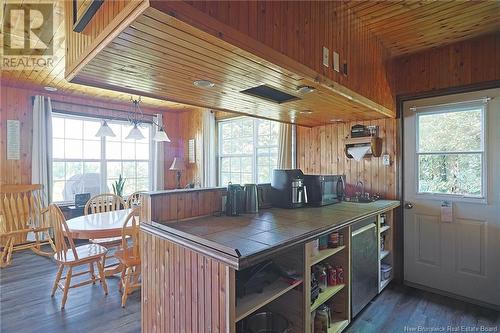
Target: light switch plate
pixel 326 57
pixel 336 62
pixel 386 159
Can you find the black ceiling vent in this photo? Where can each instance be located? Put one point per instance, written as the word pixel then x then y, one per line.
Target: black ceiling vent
pixel 269 94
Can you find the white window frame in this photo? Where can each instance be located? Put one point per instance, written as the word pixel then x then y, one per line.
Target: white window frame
pixel 254 154
pixel 459 107
pixel 103 160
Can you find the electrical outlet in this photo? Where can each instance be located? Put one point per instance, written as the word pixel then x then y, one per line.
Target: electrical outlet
pixel 386 159
pixel 326 57
pixel 336 62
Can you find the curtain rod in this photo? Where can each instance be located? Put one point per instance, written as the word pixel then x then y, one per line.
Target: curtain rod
pixel 484 100
pixel 95 107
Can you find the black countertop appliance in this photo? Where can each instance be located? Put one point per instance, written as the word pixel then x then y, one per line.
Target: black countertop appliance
pixel 288 188
pixel 324 190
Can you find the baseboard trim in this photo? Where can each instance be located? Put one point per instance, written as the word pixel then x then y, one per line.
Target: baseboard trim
pixel 451 295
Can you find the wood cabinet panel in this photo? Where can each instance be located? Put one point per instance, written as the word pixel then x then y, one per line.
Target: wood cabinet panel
pixel 174 301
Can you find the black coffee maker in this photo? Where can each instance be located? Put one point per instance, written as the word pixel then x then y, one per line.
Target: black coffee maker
pixel 288 189
pixel 235 200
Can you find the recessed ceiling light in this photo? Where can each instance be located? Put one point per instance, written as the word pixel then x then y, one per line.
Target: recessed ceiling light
pixel 48 88
pixel 204 84
pixel 335 120
pixel 306 112
pixel 305 89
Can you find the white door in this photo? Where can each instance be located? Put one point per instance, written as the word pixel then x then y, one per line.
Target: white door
pixel 452 157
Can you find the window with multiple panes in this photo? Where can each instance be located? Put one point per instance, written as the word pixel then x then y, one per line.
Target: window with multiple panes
pixel 82 162
pixel 248 150
pixel 451 152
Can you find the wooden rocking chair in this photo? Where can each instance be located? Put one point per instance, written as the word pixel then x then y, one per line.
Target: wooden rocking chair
pixel 22 214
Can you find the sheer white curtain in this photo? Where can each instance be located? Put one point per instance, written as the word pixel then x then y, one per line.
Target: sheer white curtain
pixel 158 159
pixel 41 153
pixel 209 178
pixel 286 146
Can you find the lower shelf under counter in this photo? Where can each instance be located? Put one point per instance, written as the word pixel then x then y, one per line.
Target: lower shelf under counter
pixel 250 303
pixel 338 326
pixel 326 295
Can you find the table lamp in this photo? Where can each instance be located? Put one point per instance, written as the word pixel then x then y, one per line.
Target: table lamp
pixel 178 166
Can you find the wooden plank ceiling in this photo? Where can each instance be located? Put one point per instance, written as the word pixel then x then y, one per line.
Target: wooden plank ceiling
pixel 411 26
pixel 34 79
pixel 403 27
pixel 161 56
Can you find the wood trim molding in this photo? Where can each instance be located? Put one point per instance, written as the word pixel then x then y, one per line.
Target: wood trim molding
pixel 119 23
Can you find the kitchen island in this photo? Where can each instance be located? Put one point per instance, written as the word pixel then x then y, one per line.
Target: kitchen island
pixel 189 266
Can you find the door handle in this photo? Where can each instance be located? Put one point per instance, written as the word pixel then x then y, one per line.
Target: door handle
pixel 408 205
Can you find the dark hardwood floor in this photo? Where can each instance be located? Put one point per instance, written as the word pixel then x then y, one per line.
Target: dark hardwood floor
pixel 26 306
pixel 404 309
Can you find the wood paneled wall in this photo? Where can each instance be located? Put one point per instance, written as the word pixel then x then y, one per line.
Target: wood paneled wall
pixel 173 206
pixel 320 150
pixel 468 62
pixel 16 103
pixel 299 29
pixel 191 127
pixel 173 301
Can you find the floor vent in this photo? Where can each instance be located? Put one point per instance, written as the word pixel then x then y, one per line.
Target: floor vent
pixel 270 94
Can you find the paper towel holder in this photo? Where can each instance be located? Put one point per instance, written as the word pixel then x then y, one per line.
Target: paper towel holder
pixel 374 142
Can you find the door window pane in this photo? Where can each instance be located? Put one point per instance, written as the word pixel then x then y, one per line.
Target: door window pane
pixel 450 131
pixel 450 152
pixel 450 174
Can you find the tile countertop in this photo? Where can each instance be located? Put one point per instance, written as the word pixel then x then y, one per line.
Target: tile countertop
pixel 241 241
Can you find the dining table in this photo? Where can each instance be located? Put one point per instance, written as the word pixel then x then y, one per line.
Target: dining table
pixel 98 226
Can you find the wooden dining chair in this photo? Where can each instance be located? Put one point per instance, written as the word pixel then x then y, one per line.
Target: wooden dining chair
pixel 106 202
pixel 22 215
pixel 129 256
pixel 70 256
pixel 135 199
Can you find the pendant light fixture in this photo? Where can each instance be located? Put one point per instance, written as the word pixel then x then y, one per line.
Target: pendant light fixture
pixel 136 118
pixel 135 134
pixel 104 130
pixel 161 136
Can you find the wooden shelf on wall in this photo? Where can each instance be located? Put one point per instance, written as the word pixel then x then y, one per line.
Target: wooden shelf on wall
pixel 374 141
